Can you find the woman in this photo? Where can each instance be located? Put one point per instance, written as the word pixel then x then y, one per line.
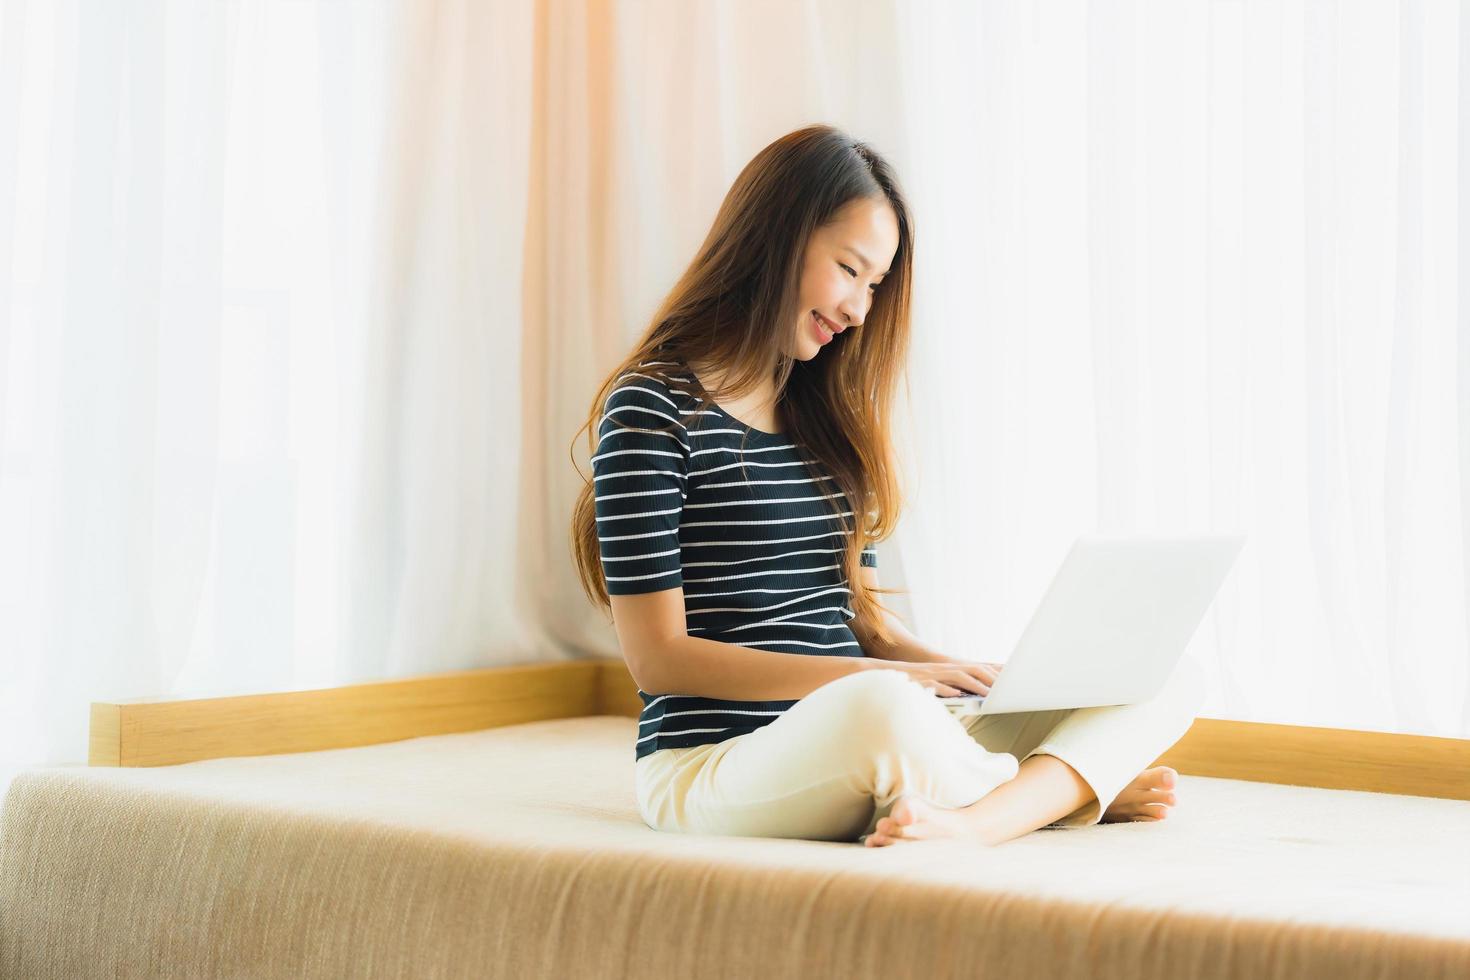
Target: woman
pixel 780 698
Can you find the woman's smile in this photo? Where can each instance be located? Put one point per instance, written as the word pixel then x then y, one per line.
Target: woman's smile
pixel 819 326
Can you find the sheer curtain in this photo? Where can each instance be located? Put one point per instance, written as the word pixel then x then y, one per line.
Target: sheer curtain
pixel 1194 267
pixel 301 305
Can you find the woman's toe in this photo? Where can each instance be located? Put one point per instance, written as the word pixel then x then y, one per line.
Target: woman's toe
pixel 907 812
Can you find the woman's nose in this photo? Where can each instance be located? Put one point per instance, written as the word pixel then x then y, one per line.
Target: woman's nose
pixel 853 312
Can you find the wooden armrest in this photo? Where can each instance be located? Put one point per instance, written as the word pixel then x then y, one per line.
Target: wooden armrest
pixel 157 732
pixel 163 732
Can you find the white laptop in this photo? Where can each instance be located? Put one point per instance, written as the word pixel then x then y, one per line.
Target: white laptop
pixel 1113 624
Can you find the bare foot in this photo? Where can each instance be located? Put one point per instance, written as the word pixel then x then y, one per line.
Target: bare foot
pixel 913 818
pixel 1148 797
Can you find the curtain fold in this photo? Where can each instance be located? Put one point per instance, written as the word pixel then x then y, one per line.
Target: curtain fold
pixel 302 305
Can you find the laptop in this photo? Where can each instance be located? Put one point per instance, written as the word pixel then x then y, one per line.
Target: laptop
pixel 1113 624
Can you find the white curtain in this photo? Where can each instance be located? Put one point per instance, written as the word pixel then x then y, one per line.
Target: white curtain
pixel 301 305
pixel 1195 266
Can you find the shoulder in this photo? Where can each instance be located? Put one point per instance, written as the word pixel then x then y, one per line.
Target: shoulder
pixel 648 389
pixel 642 421
pixel 651 378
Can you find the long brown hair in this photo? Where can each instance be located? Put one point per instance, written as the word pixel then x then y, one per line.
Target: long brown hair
pixel 735 306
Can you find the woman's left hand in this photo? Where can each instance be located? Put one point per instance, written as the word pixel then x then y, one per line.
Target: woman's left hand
pixel 927 655
pixel 994 672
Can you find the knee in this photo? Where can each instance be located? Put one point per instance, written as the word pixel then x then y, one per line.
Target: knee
pixel 871 692
pixel 874 706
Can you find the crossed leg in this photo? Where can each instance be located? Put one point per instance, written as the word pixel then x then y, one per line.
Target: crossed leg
pixel 1045 789
pixel 1048 789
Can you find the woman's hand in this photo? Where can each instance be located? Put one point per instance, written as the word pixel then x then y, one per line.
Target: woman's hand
pixel 951 680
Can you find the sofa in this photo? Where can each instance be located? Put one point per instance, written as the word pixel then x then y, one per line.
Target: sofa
pixel 483 824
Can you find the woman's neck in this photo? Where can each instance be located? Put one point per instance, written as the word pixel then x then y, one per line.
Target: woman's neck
pixel 711 377
pixel 757 407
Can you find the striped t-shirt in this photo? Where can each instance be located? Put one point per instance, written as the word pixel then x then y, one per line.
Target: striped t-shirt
pixel 742 520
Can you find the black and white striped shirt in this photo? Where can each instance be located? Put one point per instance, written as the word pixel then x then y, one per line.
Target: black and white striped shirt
pixel 741 519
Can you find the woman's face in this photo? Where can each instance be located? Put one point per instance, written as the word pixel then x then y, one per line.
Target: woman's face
pixel 844 266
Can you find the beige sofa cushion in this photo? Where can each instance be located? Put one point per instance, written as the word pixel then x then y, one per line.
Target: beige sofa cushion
pixel 519 852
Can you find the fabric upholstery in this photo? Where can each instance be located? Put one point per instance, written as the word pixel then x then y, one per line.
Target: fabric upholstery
pixel 519 852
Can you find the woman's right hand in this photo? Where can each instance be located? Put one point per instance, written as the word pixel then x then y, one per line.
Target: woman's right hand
pixel 951 680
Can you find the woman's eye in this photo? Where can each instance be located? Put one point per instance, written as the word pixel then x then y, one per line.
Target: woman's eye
pixel 853 272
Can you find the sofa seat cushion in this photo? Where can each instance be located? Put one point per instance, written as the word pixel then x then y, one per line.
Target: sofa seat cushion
pixel 519 852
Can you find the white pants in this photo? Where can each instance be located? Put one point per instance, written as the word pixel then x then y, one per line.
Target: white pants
pixel 837 760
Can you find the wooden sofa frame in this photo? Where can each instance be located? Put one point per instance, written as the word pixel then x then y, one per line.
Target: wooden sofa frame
pixel 160 732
